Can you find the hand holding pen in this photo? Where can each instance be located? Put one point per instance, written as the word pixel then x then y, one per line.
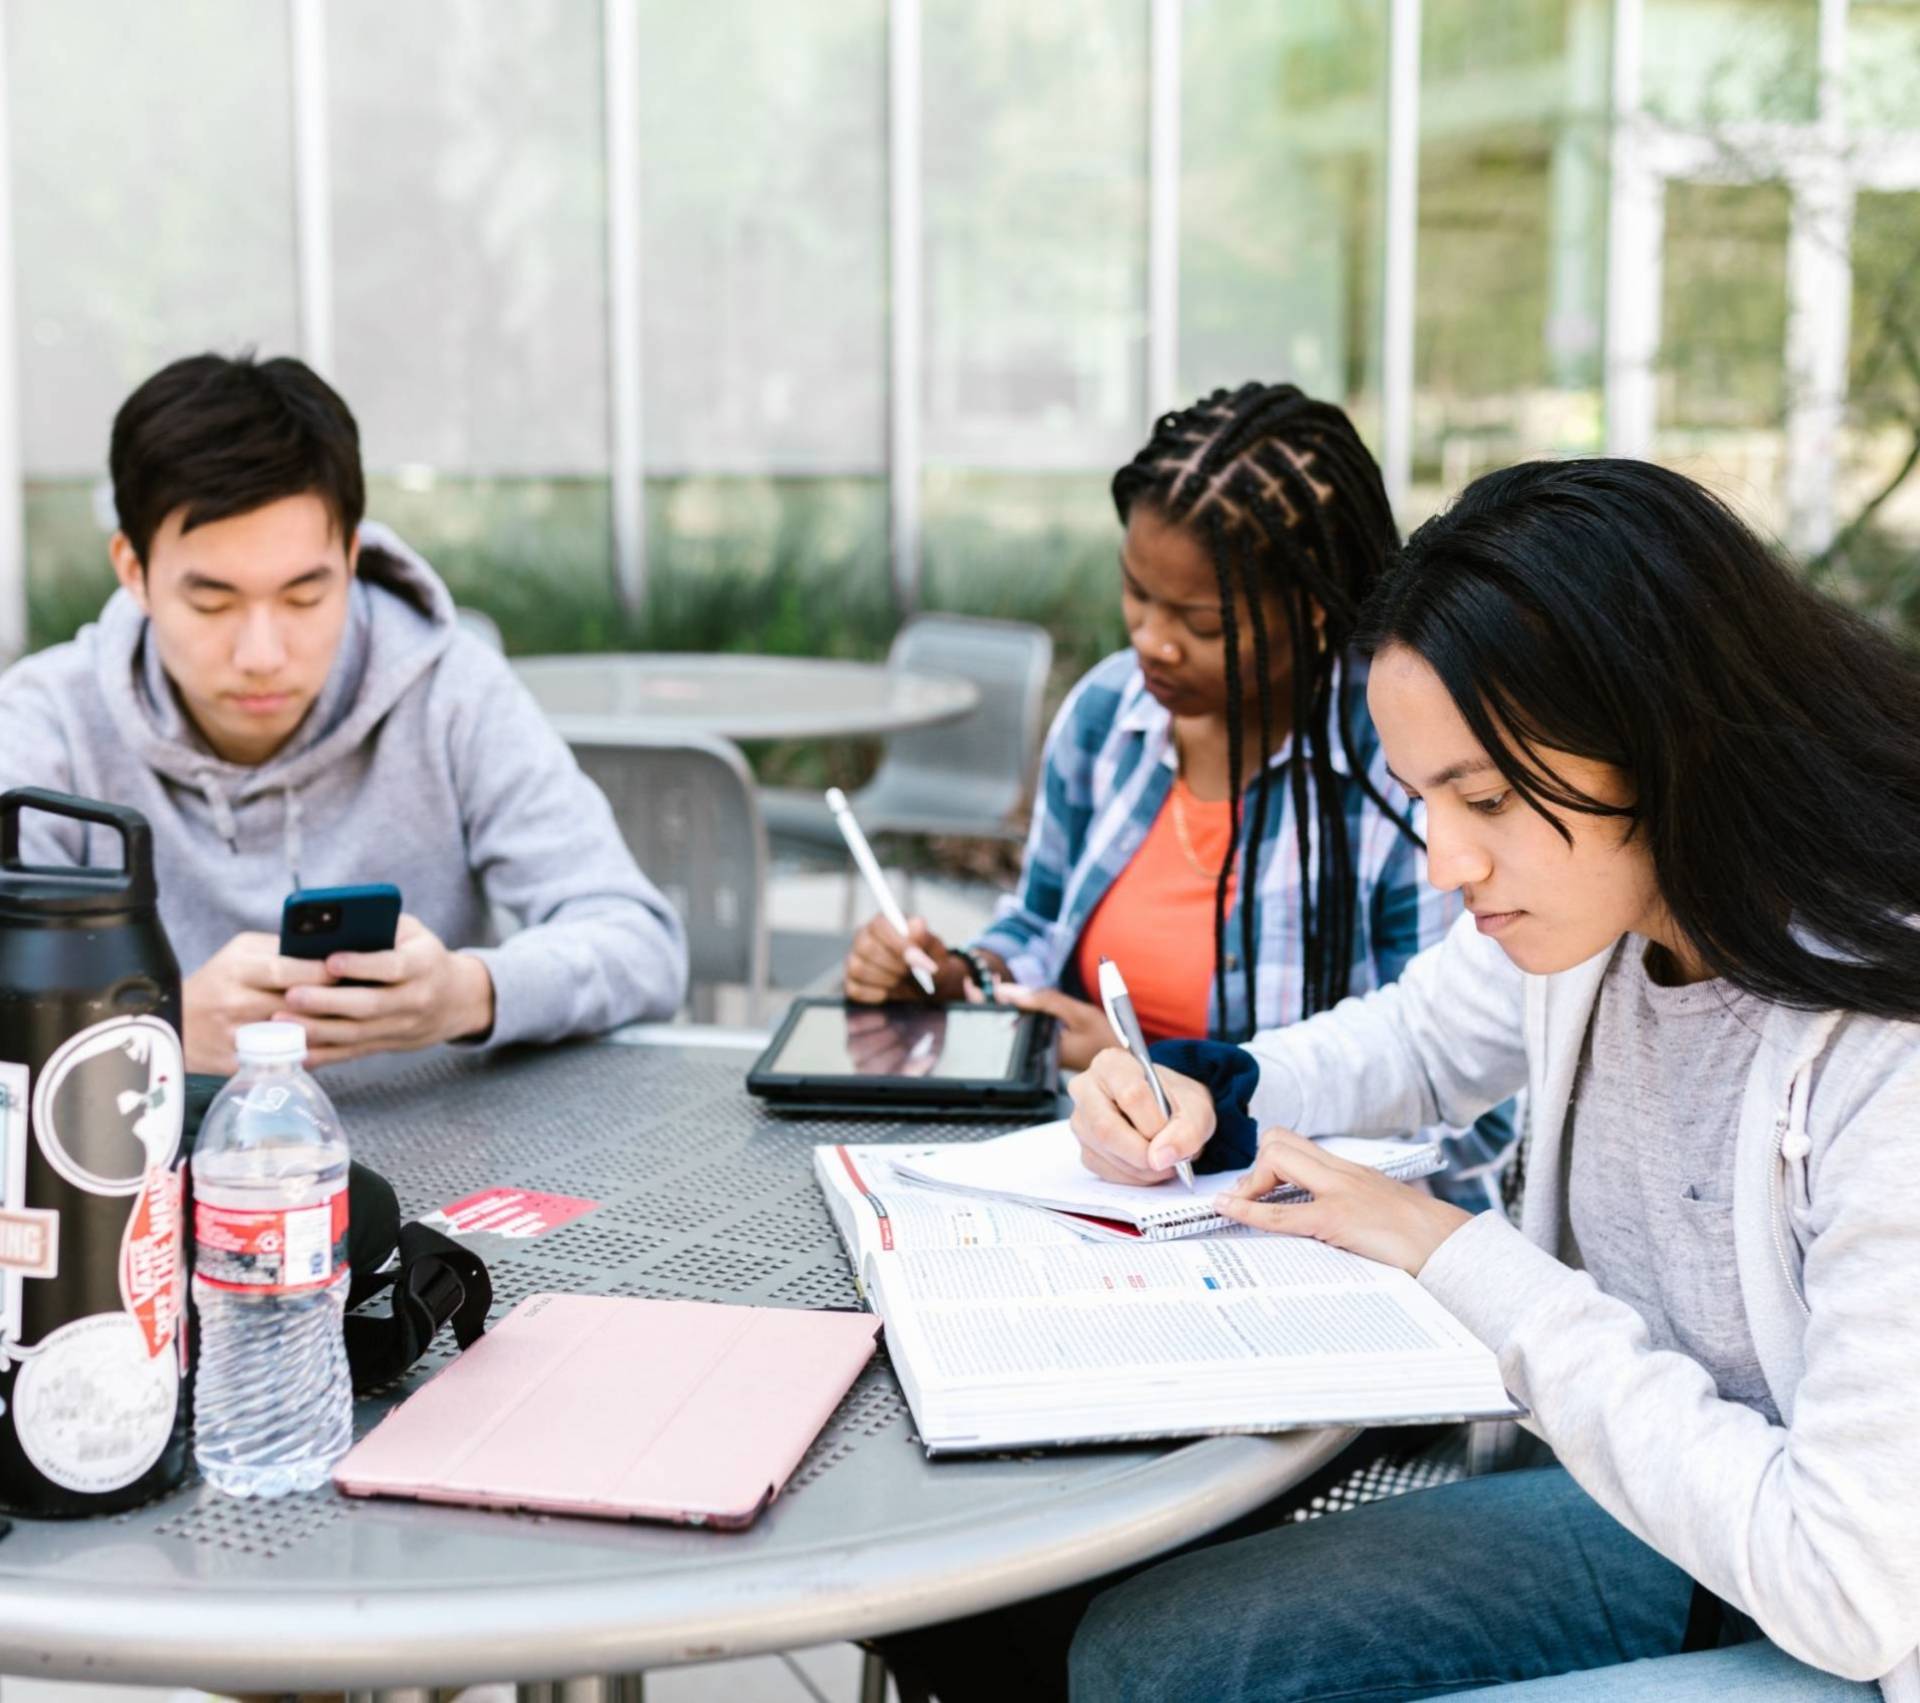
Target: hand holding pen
pixel 918 962
pixel 1123 1135
pixel 876 972
pixel 1119 1008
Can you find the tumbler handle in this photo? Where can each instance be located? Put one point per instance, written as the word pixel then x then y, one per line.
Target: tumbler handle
pixel 136 836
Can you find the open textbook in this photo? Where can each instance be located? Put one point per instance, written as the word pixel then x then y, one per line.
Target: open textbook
pixel 1007 1330
pixel 1041 1167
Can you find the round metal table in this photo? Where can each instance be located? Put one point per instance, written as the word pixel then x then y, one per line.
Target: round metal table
pixel 603 699
pixel 701 1194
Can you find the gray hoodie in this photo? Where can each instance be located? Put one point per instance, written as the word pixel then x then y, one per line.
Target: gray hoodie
pixel 424 762
pixel 1810 1526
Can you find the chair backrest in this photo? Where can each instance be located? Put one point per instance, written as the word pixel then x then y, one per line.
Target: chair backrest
pixel 979 766
pixel 688 810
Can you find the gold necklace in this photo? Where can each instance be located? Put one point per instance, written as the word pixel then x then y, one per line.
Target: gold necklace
pixel 1180 829
pixel 1181 833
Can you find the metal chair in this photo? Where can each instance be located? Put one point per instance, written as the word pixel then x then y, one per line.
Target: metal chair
pixel 687 808
pixel 969 777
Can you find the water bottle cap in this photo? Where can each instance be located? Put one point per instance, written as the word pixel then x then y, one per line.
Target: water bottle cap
pixel 270 1043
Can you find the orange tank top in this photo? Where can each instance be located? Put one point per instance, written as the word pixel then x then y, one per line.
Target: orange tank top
pixel 1156 920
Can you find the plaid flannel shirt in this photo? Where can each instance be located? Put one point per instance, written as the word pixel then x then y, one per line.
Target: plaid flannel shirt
pixel 1109 764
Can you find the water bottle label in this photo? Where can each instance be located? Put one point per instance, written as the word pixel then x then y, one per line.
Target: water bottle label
pixel 273 1252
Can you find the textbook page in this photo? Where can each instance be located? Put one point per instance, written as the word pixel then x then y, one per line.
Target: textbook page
pixel 1027 1345
pixel 877 1210
pixel 1041 1167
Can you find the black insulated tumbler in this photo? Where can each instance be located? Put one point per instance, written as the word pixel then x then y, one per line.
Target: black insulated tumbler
pixel 93 1349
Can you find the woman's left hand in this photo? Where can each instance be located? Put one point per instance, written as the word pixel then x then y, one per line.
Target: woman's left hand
pixel 1353 1206
pixel 1084 1030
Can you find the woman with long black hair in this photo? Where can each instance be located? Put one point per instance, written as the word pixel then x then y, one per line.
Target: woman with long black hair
pixel 1680 794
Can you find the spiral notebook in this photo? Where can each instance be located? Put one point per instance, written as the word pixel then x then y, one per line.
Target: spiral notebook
pixel 1041 1167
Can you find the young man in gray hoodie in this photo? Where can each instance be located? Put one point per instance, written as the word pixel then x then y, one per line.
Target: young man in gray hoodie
pixel 283 692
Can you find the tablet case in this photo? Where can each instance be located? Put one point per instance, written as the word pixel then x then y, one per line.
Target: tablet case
pixel 686 1411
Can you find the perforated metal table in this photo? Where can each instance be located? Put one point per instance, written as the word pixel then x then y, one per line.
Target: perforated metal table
pixel 703 1195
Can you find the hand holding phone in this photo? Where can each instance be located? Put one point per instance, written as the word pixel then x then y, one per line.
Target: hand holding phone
pixel 414 993
pixel 317 922
pixel 247 981
pixel 380 981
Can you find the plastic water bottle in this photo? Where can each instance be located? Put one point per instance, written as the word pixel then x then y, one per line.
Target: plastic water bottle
pixel 273 1401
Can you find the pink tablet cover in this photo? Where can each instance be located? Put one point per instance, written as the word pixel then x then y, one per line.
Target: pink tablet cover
pixel 594 1404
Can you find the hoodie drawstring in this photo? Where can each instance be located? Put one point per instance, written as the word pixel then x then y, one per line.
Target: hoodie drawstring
pixel 1791 1147
pixel 229 830
pixel 223 822
pixel 292 839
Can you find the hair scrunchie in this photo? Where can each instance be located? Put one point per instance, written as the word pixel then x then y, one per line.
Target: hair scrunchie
pixel 1229 1074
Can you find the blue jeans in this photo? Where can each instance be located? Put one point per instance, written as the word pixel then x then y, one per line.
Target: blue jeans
pixel 1467 1588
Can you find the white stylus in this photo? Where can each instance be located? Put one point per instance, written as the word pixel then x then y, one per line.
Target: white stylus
pixel 1119 1008
pixel 917 960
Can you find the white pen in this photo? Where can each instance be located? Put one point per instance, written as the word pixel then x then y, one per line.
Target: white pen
pixel 1119 1008
pixel 917 960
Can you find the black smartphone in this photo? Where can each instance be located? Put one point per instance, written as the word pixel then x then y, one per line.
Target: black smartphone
pixel 319 921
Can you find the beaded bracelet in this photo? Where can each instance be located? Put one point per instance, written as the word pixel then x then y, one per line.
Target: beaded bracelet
pixel 977 963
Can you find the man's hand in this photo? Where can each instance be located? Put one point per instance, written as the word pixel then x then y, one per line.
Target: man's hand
pixel 422 994
pixel 1118 1124
pixel 1084 1029
pixel 246 981
pixel 1353 1206
pixel 876 970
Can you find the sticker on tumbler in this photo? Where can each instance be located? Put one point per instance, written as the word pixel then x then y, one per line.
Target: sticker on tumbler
pixel 92 1408
pixel 29 1237
pixel 270 1251
pixel 151 1278
pixel 30 1243
pixel 107 1109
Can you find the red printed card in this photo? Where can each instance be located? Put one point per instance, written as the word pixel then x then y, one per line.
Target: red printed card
pixel 509 1212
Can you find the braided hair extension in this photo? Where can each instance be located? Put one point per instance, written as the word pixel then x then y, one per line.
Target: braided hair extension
pixel 1236 738
pixel 1281 493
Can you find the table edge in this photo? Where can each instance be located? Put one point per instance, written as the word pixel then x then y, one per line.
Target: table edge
pixel 329 1639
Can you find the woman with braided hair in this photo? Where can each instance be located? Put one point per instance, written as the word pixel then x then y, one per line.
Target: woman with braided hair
pixel 1226 754
pixel 1228 751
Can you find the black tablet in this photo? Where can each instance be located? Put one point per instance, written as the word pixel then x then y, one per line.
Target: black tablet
pixel 830 1055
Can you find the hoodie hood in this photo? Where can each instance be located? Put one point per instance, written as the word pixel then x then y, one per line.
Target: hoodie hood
pixel 399 623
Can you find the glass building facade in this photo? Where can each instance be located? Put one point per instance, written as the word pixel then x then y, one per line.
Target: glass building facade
pixel 675 321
